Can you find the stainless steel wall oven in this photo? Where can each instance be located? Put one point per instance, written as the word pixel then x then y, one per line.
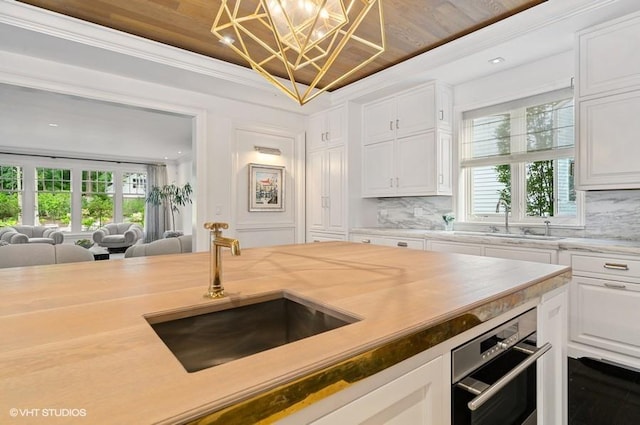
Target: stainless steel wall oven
pixel 494 375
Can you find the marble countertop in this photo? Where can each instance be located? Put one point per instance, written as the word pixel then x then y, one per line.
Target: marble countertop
pixel 526 241
pixel 74 336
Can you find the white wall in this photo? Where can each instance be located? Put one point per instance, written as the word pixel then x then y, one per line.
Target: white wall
pixel 216 119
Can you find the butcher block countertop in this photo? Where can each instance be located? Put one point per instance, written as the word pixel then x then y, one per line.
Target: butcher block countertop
pixel 75 346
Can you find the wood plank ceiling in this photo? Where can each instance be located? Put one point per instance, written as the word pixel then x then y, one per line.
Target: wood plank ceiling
pixel 412 27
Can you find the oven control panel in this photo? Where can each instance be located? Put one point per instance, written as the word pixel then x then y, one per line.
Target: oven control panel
pixel 487 346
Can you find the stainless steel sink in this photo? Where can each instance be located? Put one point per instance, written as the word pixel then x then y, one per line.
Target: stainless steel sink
pixel 201 339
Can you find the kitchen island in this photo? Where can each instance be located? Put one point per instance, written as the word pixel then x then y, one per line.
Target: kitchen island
pixel 77 348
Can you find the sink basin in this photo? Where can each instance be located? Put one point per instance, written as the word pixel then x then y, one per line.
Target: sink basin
pixel 201 339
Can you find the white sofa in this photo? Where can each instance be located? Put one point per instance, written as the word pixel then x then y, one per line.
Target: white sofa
pixel 116 236
pixel 177 245
pixel 31 234
pixel 20 255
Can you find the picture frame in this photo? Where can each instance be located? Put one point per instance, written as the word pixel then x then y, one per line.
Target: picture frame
pixel 266 187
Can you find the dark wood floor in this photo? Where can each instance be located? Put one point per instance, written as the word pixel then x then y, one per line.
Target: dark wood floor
pixel 601 394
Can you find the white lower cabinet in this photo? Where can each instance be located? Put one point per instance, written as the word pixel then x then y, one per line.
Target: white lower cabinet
pixel 455 247
pixel 605 307
pixel 548 256
pixel 325 237
pixel 552 367
pixel 411 243
pixel 415 398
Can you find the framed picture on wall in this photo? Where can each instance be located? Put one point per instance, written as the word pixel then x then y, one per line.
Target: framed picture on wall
pixel 266 188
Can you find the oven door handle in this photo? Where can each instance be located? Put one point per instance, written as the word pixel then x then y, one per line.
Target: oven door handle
pixel 508 377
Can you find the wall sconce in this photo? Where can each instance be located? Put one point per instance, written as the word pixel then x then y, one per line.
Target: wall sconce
pixel 268 151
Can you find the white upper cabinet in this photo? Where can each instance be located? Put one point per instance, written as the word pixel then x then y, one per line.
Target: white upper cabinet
pixel 608 106
pixel 325 129
pixel 608 58
pixel 407 144
pixel 409 113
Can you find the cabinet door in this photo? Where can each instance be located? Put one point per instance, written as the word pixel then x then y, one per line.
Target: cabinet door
pixel 606 314
pixel 444 163
pixel 316 133
pixel 536 255
pixel 335 191
pixel 415 398
pixel 415 165
pixel 416 111
pixel 334 126
pixel 378 122
pixel 444 107
pixel 377 170
pixel 608 153
pixel 315 190
pixel 552 367
pixel 608 57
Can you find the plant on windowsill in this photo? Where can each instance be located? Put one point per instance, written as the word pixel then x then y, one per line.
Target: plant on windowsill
pixel 173 197
pixel 448 218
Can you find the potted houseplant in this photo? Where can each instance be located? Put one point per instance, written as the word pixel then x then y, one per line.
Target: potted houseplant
pixel 172 197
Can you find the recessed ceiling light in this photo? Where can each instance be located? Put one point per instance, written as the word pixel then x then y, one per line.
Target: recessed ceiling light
pixel 496 60
pixel 53 124
pixel 166 157
pixel 179 152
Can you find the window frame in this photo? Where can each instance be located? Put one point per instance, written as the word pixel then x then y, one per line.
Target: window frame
pixel 518 161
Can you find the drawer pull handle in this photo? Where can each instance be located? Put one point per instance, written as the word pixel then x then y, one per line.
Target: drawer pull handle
pixel 615 266
pixel 615 285
pixel 366 241
pixel 403 244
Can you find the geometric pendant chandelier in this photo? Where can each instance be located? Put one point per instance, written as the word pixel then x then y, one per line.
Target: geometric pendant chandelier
pixel 289 41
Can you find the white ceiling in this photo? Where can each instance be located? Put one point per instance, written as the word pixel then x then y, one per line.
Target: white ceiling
pixel 91 128
pixel 88 128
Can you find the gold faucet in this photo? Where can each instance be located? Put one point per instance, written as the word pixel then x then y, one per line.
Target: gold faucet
pixel 216 290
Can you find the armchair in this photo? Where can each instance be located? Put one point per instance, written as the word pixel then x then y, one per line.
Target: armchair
pixel 118 236
pixel 31 234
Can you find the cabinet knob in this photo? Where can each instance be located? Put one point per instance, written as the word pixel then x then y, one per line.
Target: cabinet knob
pixel 615 285
pixel 402 244
pixel 366 241
pixel 391 182
pixel 391 125
pixel 441 115
pixel 397 124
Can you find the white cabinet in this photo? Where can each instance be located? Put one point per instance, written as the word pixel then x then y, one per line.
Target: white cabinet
pixel 411 243
pixel 326 190
pixel 608 152
pixel 407 144
pixel 608 57
pixel 414 398
pixel 325 129
pixel 605 307
pixel 608 104
pixel 552 367
pixel 325 237
pixel 548 256
pixel 418 165
pixel 455 247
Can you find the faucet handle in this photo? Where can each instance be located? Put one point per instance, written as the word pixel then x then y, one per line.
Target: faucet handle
pixel 216 227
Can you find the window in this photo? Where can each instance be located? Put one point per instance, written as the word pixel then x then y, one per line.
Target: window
pixel 97 199
pixel 134 192
pixel 10 195
pixel 522 153
pixel 53 197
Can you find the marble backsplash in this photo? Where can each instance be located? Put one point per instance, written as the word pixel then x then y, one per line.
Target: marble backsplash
pixel 613 214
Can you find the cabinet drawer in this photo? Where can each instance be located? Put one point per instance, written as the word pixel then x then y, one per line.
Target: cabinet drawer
pixel 455 247
pixel 538 256
pixel 405 243
pixel 611 267
pixel 605 314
